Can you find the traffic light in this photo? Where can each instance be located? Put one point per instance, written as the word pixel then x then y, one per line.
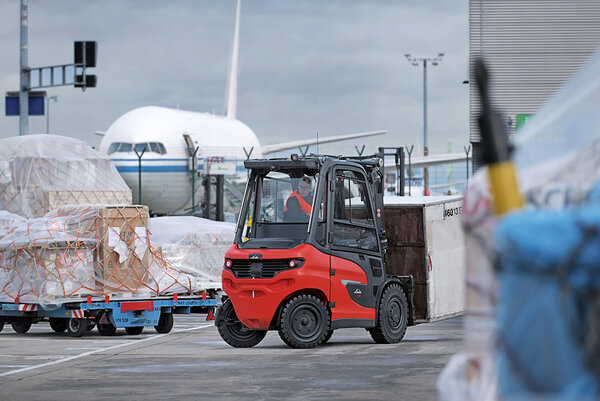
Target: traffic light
pixel 85 53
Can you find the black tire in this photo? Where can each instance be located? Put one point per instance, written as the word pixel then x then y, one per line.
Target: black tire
pixel 59 325
pixel 21 324
pixel 91 325
pixel 304 322
pixel 328 336
pixel 393 316
pixel 2 320
pixel 134 330
pixel 165 323
pixel 77 327
pixel 233 332
pixel 106 329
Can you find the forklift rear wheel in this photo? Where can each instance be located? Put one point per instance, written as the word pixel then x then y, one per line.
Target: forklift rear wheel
pixel 233 332
pixel 165 323
pixel 393 316
pixel 77 327
pixel 58 325
pixel 304 322
pixel 134 330
pixel 106 329
pixel 21 324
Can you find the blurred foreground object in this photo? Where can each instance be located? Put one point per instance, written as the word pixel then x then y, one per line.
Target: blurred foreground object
pixel 533 275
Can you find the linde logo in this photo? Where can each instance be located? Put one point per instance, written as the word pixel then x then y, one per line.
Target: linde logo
pixel 357 291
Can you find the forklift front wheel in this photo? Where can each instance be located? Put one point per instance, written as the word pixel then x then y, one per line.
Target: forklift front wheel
pixel 233 332
pixel 304 322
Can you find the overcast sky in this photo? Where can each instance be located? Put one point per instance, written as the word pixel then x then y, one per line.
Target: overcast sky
pixel 334 66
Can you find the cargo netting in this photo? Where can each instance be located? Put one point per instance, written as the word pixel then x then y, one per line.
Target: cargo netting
pixel 97 250
pixel 40 173
pixel 532 326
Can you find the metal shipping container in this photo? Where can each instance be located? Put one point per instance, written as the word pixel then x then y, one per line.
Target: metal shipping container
pixel 426 240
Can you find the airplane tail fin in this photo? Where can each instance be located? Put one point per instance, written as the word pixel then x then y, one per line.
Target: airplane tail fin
pixel 231 94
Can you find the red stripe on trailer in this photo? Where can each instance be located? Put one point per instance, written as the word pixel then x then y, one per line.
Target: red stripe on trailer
pixel 204 296
pixel 89 299
pixel 27 308
pixel 143 305
pixel 79 314
pixel 106 299
pixel 175 297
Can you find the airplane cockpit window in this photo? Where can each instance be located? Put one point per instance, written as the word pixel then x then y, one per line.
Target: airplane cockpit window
pixel 158 147
pixel 125 147
pixel 154 147
pixel 113 147
pixel 140 147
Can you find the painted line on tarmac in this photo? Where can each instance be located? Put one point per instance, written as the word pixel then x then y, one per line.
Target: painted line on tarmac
pixel 84 354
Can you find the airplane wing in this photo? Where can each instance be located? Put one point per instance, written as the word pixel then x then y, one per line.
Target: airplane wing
pixel 446 158
pixel 276 147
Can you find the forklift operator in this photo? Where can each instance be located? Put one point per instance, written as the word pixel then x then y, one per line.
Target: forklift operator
pixel 298 204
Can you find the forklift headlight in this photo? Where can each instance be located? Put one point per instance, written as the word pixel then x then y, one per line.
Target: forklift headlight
pixel 293 263
pixel 228 263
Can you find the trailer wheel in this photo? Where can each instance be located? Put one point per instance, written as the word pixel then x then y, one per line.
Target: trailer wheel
pixel 77 327
pixel 21 324
pixel 134 330
pixel 2 319
pixel 304 322
pixel 233 332
pixel 165 323
pixel 58 325
pixel 106 329
pixel 393 316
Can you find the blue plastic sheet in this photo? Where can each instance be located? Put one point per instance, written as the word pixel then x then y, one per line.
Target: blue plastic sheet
pixel 549 272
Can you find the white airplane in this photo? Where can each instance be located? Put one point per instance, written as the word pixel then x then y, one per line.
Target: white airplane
pixel 169 138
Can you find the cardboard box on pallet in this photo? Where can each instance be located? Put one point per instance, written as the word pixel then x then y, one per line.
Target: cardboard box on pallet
pixel 123 249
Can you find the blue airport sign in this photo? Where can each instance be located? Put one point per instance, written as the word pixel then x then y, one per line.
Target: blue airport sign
pixel 36 103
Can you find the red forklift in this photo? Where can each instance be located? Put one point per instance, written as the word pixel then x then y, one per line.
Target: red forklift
pixel 309 255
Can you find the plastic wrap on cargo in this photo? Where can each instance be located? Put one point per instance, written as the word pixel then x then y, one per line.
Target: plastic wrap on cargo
pixel 84 250
pixel 532 282
pixel 192 244
pixel 39 173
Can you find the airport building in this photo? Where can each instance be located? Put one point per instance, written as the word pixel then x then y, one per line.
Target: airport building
pixel 531 47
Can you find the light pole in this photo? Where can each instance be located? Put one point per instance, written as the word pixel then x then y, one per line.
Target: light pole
pixel 415 61
pixel 55 99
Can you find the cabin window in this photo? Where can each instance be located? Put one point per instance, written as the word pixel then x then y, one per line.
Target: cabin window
pixel 162 148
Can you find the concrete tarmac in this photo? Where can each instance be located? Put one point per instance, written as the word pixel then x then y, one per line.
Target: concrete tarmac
pixel 193 363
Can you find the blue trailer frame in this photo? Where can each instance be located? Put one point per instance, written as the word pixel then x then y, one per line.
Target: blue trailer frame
pixel 108 315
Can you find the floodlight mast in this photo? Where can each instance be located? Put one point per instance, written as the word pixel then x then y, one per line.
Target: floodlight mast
pixel 415 61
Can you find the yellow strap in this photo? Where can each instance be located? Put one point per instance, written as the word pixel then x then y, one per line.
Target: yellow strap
pixel 505 192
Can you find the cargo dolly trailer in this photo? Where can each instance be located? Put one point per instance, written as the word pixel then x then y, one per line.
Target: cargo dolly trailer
pixel 108 314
